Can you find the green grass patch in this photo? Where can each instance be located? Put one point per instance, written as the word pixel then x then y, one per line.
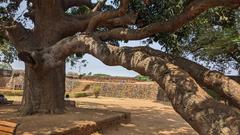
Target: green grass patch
pixel 12 92
pixel 76 94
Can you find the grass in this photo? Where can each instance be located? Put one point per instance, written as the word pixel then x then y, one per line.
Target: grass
pixel 11 92
pixel 76 94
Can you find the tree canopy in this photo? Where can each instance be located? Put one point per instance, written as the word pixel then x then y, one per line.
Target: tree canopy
pixel 205 38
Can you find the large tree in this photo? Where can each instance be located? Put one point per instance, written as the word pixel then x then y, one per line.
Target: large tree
pixel 93 29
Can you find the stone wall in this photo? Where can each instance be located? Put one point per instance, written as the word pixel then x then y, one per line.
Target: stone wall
pixel 4 81
pixel 138 90
pixel 126 90
pixel 71 83
pixel 110 79
pixel 119 87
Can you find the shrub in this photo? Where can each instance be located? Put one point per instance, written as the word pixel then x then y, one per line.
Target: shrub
pixel 101 75
pixel 96 90
pixel 142 78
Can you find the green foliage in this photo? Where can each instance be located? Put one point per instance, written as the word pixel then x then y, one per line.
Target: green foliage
pixel 89 74
pixel 143 78
pixel 219 47
pixel 215 32
pixel 78 10
pixel 216 39
pixel 7 11
pixel 101 75
pixel 7 53
pixel 96 90
pixel 5 66
pixel 79 94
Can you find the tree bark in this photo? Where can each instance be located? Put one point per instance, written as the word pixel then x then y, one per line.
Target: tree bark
pixel 202 112
pixel 43 90
pixel 225 86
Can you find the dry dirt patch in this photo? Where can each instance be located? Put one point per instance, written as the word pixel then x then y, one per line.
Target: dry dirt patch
pixel 147 117
pixel 89 120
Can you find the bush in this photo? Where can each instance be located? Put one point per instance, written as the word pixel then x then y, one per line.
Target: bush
pixel 12 93
pixel 96 90
pixel 142 78
pixel 101 75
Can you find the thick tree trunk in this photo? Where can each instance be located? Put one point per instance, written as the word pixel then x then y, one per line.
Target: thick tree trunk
pixel 43 90
pixel 201 111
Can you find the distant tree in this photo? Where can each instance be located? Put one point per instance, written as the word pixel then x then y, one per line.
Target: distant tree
pixel 101 75
pixel 142 78
pixel 5 66
pixel 90 73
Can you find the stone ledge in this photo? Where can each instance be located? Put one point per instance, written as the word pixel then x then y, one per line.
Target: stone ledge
pixel 89 127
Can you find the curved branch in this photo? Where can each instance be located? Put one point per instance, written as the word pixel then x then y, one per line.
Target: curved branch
pixel 128 19
pixel 215 81
pixel 20 37
pixel 193 10
pixel 107 15
pixel 70 25
pixel 225 86
pixel 186 96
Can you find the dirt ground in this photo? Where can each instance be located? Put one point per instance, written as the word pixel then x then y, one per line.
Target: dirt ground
pixel 147 117
pixel 83 118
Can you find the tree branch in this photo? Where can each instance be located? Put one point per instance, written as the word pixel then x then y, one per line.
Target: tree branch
pixel 213 80
pixel 194 9
pixel 71 3
pixel 99 5
pixel 186 96
pixel 70 25
pixel 128 19
pixel 107 15
pixel 3 32
pixel 20 37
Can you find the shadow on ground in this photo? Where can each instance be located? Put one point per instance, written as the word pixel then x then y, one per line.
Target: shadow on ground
pixel 81 121
pixel 147 117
